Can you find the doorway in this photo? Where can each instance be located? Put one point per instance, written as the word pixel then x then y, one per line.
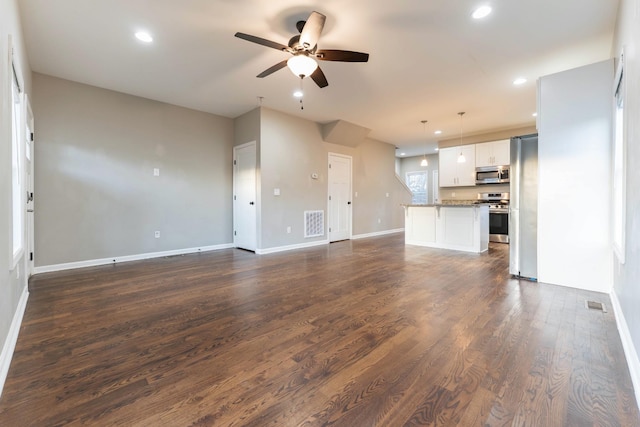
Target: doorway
pixel 29 150
pixel 339 203
pixel 244 196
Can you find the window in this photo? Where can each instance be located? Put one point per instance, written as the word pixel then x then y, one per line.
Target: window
pixel 417 183
pixel 619 162
pixel 17 176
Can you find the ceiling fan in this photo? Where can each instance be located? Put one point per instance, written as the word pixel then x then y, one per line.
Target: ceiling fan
pixel 304 48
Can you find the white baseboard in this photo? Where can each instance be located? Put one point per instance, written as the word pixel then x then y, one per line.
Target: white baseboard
pixel 377 233
pixel 12 337
pixel 291 247
pixel 627 343
pixel 114 260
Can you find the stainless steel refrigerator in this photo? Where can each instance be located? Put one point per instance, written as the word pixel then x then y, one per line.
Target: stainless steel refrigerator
pixel 523 207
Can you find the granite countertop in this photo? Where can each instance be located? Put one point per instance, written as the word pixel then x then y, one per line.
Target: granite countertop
pixel 448 204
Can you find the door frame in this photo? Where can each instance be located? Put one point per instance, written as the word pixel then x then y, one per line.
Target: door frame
pixel 29 201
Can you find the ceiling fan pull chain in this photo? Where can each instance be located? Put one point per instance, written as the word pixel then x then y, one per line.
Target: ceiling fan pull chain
pixel 301 93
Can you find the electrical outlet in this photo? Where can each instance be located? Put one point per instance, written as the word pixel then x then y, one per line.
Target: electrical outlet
pixel 156 171
pixel 288 230
pixel 157 234
pixel 379 220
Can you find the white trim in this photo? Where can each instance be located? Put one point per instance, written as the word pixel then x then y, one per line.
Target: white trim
pixel 114 260
pixel 291 247
pixel 12 337
pixel 633 363
pixel 378 233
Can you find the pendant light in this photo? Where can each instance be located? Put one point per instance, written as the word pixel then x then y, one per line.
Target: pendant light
pixel 461 158
pixel 424 163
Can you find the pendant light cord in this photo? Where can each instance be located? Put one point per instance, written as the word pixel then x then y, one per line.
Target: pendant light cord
pixel 461 158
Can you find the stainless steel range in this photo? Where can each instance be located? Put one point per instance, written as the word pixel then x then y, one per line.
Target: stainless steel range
pixel 498 215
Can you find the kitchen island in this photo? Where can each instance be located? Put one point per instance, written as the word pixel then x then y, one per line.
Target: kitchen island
pixel 463 227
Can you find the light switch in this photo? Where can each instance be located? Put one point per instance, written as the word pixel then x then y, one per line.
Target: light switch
pixel 276 191
pixel 156 171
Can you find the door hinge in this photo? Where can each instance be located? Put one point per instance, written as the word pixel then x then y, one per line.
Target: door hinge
pixel 235 163
pixel 329 197
pixel 31 136
pixel 235 233
pixel 329 165
pixel 31 256
pixel 234 198
pixel 329 229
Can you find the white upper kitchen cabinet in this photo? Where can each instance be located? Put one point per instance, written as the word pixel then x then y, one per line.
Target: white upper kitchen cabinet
pixel 494 153
pixel 454 174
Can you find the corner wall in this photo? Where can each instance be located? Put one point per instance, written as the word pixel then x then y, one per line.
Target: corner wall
pixel 13 281
pixel 574 169
pixel 626 288
pixel 290 150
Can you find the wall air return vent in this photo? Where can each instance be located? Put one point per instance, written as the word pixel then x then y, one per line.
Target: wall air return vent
pixel 313 223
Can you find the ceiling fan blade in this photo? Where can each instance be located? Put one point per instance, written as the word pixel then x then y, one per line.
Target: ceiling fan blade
pixel 273 69
pixel 341 55
pixel 263 42
pixel 311 31
pixel 319 77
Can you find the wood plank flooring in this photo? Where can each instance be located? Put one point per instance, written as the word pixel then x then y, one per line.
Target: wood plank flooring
pixel 358 333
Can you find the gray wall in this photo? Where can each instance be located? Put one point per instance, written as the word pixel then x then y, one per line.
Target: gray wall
pixel 13 281
pixel 374 176
pixel 290 150
pixel 627 275
pixel 96 194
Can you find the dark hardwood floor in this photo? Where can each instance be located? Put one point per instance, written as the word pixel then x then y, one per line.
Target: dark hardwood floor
pixel 358 333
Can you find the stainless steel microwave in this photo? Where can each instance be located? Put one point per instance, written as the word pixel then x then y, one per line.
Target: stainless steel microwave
pixel 492 175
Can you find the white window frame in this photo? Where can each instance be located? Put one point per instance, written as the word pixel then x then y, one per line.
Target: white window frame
pixel 411 181
pixel 619 179
pixel 18 187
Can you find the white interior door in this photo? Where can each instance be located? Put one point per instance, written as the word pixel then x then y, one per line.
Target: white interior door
pixel 339 197
pixel 244 196
pixel 29 150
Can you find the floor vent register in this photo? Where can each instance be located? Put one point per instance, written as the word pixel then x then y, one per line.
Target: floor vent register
pixel 594 305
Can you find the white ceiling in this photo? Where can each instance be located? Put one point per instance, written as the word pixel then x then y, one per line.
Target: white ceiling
pixel 428 59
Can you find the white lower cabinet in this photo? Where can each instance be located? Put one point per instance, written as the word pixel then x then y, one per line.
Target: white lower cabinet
pixel 462 228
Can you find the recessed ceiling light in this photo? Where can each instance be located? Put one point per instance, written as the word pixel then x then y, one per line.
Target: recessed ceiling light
pixel 535 114
pixel 298 94
pixel 519 81
pixel 143 36
pixel 438 132
pixel 481 12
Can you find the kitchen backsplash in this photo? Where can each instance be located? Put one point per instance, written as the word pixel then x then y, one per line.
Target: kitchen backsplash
pixel 461 194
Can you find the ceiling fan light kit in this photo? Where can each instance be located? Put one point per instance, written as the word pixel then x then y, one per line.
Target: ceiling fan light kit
pixel 304 48
pixel 302 65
